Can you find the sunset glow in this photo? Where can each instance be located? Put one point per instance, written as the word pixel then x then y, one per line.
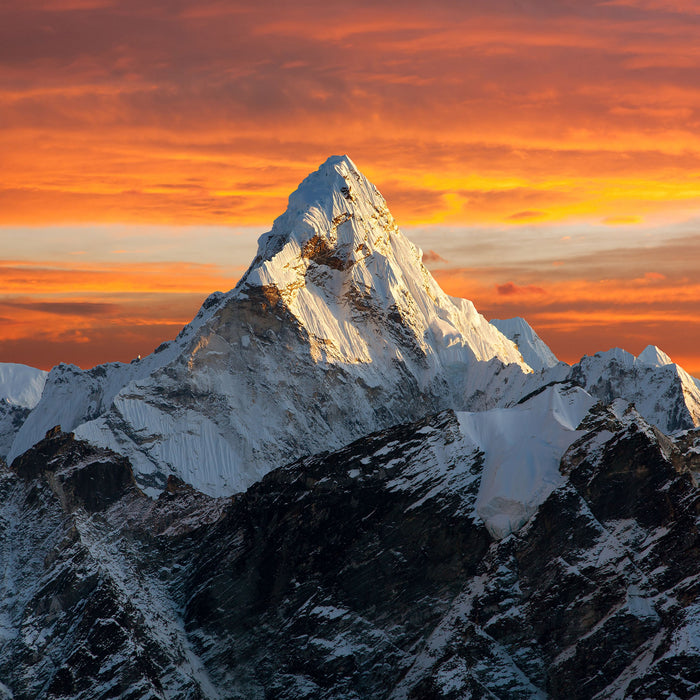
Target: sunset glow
pixel 548 153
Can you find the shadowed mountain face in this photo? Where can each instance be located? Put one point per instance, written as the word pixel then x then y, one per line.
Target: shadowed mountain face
pixel 365 573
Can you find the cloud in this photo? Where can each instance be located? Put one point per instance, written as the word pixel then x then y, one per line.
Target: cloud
pixel 432 257
pixel 527 214
pixel 618 297
pixel 70 308
pixel 21 278
pixel 113 312
pixel 621 220
pixel 108 108
pixel 511 289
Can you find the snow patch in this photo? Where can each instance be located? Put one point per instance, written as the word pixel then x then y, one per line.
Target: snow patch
pixel 523 446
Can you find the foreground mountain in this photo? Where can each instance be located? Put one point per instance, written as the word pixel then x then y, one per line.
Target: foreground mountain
pixel 20 391
pixel 336 330
pixel 366 573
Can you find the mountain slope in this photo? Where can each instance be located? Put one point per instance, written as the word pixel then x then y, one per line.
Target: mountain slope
pixel 365 573
pixel 20 391
pixel 533 349
pixel 336 330
pixel 21 385
pixel 664 394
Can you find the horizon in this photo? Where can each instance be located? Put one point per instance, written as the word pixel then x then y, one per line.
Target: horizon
pixel 545 158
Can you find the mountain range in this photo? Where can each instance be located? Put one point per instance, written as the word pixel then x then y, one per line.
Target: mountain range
pixel 340 482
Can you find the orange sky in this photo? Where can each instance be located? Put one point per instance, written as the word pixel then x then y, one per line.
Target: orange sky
pixel 559 134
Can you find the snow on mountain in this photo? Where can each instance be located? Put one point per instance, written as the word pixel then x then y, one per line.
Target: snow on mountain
pixel 522 448
pixel 651 355
pixel 664 394
pixel 72 395
pixel 337 329
pixel 21 385
pixel 533 349
pixel 20 391
pixel 362 573
pixel 336 250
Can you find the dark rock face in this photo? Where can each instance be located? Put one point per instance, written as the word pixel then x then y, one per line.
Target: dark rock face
pixel 338 566
pixel 81 475
pixel 358 574
pixel 589 599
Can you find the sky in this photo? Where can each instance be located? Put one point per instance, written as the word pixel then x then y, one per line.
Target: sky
pixel 544 154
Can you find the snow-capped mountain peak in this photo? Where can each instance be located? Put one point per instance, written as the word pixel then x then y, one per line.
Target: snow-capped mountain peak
pixel 338 263
pixel 331 219
pixel 663 392
pixel 20 391
pixel 21 385
pixel 336 330
pixel 651 355
pixel 534 350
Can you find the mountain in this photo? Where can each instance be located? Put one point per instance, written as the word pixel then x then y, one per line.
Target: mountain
pixel 663 393
pixel 656 357
pixel 20 390
pixel 336 330
pixel 21 385
pixel 339 483
pixel 364 573
pixel 533 349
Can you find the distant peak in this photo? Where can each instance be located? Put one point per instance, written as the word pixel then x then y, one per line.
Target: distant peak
pixel 651 355
pixel 533 349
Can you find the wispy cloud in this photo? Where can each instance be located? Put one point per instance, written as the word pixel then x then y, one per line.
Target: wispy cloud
pixel 625 297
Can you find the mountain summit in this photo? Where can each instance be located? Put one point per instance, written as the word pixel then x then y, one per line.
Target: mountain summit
pixel 339 264
pixel 336 329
